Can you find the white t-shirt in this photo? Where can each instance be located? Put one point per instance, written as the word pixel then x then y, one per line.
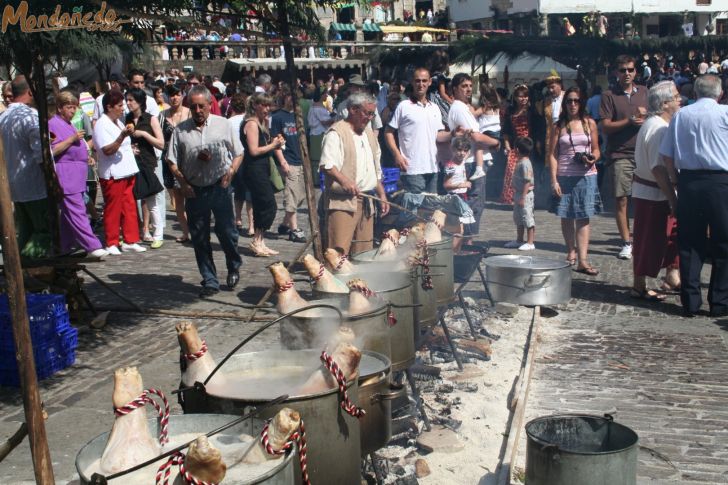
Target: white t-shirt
pixel 317 115
pixel 456 173
pixel 647 156
pixel 368 170
pixel 417 126
pixel 120 164
pixel 460 115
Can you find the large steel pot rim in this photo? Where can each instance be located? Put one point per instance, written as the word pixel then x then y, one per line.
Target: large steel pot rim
pixel 532 263
pixel 304 397
pixel 608 421
pixel 380 308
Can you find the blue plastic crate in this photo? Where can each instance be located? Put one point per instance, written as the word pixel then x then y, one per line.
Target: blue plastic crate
pixel 43 332
pixel 390 175
pixel 9 376
pixel 45 314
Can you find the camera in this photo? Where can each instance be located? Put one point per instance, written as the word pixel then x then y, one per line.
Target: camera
pixel 583 158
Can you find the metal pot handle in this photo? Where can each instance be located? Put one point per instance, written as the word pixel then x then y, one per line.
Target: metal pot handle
pixel 395 393
pixel 532 281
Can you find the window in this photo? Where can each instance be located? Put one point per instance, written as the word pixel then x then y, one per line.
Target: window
pixel 721 27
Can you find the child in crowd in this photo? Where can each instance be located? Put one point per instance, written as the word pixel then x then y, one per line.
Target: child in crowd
pixel 456 180
pixel 488 116
pixel 523 197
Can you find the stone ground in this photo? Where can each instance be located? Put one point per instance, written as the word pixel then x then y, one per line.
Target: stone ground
pixel 665 375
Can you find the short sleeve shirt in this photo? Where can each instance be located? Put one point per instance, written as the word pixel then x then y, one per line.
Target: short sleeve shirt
pixel 120 164
pixel 417 125
pixel 616 106
pixel 204 154
pixel 523 175
pixel 21 138
pixel 456 173
pixel 461 116
pixel 284 122
pixel 368 170
pixel 647 156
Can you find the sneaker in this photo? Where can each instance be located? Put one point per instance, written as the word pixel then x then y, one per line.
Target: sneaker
pixel 283 230
pixel 479 173
pixel 157 243
pixel 135 248
pixel 513 244
pixel 113 251
pixel 527 247
pixel 626 252
pixel 98 253
pixel 297 235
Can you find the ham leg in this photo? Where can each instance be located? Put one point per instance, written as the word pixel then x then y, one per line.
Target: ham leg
pixel 388 249
pixel 433 229
pixel 326 282
pixel 204 462
pixel 196 369
pixel 359 297
pixel 346 356
pixel 337 263
pixel 283 425
pixel 130 441
pixel 288 298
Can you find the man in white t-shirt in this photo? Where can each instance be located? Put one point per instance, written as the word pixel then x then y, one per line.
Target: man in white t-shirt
pixel 418 125
pixel 654 199
pixel 461 115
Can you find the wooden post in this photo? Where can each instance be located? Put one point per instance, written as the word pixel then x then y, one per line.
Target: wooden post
pixel 21 332
pixel 313 220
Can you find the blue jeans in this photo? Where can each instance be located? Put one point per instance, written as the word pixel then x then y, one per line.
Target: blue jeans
pixel 416 184
pixel 216 200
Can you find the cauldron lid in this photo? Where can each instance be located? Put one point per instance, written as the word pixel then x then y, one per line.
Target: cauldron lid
pixel 525 262
pixel 372 363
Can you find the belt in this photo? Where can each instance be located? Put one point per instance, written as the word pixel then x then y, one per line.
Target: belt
pixel 649 183
pixel 703 172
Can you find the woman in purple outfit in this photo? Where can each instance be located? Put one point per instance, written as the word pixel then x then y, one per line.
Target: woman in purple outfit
pixel 70 152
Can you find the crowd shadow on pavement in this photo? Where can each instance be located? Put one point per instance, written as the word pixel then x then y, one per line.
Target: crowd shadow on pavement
pixel 146 290
pixel 607 293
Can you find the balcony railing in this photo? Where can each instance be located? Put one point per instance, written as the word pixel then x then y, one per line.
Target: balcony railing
pixel 254 49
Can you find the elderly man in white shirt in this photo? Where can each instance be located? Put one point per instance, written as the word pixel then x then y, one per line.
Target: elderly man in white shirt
pixel 21 139
pixel 350 161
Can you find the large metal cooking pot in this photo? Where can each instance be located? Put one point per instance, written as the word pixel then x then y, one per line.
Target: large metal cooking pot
pixel 528 280
pixel 441 260
pixel 312 329
pixel 283 473
pixel 425 313
pixel 396 289
pixel 333 436
pixel 376 393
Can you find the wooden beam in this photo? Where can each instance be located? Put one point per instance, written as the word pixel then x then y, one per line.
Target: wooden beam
pixel 21 332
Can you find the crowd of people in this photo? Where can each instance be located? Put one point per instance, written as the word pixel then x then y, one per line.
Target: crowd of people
pixel 219 148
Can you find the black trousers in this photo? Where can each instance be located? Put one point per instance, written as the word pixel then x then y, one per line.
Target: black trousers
pixel 703 204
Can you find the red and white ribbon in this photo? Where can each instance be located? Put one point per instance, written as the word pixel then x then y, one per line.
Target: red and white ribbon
pixel 196 355
pixel 346 403
pixel 141 401
pixel 284 287
pixel 361 289
pixel 322 269
pixel 424 261
pixel 297 437
pixel 342 259
pixel 165 471
pixel 388 235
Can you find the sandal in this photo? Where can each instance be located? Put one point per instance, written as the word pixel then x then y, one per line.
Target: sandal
pixel 669 289
pixel 271 252
pixel 572 262
pixel 588 270
pixel 646 295
pixel 183 239
pixel 258 251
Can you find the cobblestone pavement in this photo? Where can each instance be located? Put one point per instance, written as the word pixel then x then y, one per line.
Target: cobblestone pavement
pixel 669 382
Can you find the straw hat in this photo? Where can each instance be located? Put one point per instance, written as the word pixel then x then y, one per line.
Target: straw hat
pixel 553 77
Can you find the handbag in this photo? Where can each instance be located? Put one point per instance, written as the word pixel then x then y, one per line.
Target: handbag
pixel 275 176
pixel 146 184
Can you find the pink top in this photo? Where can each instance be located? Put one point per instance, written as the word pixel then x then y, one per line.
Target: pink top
pixel 566 165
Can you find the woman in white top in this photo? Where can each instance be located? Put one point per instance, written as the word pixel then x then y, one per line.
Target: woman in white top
pixel 117 170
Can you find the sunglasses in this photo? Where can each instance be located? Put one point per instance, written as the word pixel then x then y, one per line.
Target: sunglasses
pixel 367 114
pixel 626 69
pixel 572 100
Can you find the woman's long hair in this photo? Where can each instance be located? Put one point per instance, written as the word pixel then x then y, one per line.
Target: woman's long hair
pixel 564 115
pixel 521 88
pixel 254 101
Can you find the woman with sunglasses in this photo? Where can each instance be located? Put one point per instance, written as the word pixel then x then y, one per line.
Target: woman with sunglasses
pixel 259 146
pixel 575 150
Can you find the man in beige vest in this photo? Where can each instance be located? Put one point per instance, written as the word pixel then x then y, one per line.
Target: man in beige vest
pixel 350 156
